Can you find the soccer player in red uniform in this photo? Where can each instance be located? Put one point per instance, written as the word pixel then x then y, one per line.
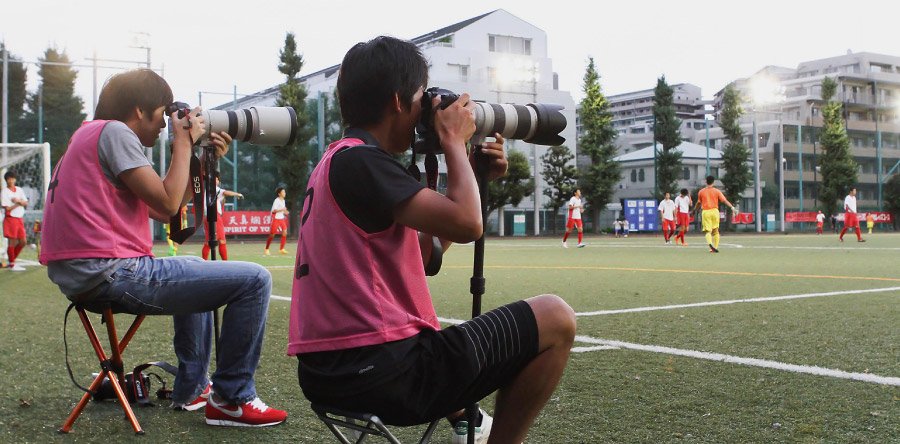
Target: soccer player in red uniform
pixel 850 218
pixel 574 219
pixel 667 210
pixel 683 203
pixel 13 201
pixel 820 222
pixel 279 220
pixel 221 193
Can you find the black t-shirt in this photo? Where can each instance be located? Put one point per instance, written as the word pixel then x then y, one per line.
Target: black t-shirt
pixel 368 183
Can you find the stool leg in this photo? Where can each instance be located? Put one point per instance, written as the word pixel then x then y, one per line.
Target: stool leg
pixel 70 421
pixel 114 376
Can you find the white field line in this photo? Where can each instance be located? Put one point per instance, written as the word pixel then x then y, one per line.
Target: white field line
pixel 807 369
pixel 737 301
pixel 606 344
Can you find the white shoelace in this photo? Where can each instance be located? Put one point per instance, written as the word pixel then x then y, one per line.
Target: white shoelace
pixel 258 404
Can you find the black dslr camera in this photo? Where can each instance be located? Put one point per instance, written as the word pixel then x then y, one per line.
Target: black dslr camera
pixel 536 123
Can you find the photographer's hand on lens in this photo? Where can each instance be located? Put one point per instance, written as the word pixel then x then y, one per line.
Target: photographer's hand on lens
pixel 455 124
pixel 496 157
pixel 220 141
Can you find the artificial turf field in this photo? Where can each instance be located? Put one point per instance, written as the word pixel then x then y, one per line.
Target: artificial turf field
pixel 778 338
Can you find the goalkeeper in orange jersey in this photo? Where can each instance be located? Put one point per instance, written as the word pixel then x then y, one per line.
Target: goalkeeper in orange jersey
pixel 709 199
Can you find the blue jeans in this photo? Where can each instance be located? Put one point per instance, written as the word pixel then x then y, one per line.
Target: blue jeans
pixel 189 288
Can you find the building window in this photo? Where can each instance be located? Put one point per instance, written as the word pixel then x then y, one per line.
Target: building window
pixel 461 71
pixel 633 176
pixel 641 175
pixel 509 44
pixel 686 173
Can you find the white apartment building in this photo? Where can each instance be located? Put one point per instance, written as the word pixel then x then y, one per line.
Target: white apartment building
pixel 495 57
pixel 868 87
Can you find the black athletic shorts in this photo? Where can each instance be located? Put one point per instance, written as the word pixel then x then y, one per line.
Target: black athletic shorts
pixel 429 375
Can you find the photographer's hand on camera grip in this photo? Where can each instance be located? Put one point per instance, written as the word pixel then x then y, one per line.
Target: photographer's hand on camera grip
pixel 454 124
pixel 495 155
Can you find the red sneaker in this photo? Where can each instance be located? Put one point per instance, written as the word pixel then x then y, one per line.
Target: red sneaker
pixel 253 413
pixel 196 404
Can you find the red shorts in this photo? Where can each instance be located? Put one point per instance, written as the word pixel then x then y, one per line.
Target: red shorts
pixel 684 219
pixel 279 226
pixel 14 227
pixel 851 220
pixel 573 223
pixel 668 225
pixel 220 229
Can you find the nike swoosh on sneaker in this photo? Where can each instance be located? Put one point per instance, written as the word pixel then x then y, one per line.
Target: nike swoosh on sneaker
pixel 232 413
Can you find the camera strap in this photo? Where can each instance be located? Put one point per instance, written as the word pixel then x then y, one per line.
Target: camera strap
pixel 177 231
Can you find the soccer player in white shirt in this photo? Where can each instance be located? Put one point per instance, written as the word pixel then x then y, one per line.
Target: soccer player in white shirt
pixel 667 210
pixel 850 218
pixel 279 221
pixel 683 207
pixel 820 222
pixel 13 201
pixel 221 194
pixel 574 220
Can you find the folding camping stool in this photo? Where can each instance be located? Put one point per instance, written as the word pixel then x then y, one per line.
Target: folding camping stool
pixel 110 367
pixel 368 424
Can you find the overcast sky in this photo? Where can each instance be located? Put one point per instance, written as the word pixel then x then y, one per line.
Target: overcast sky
pixel 212 46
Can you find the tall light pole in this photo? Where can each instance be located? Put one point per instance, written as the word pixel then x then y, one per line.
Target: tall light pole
pixel 756 191
pixel 765 90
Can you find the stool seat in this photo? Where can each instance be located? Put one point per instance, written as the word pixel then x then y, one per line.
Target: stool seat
pixel 368 424
pixel 111 367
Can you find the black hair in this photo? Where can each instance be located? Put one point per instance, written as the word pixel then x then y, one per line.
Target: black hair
pixel 710 180
pixel 9 174
pixel 372 72
pixel 139 87
pixel 684 191
pixel 278 191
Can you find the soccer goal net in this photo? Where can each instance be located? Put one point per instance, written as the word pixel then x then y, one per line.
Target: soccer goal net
pixel 31 163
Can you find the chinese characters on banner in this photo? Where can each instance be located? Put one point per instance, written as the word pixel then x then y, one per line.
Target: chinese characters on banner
pixel 810 216
pixel 247 222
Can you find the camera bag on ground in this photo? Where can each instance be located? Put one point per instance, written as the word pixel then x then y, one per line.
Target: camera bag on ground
pixel 137 385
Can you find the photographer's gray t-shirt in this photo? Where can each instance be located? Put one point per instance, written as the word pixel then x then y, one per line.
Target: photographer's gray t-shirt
pixel 119 150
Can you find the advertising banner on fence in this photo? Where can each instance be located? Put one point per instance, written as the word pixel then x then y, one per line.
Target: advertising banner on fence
pixel 247 222
pixel 881 217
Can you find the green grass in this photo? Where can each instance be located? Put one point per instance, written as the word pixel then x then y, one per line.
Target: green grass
pixel 613 395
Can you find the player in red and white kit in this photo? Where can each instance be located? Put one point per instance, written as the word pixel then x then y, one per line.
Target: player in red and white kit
pixel 574 220
pixel 221 193
pixel 667 209
pixel 820 222
pixel 13 201
pixel 851 220
pixel 279 220
pixel 683 219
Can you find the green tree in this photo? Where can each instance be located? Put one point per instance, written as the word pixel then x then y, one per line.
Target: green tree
pixel 513 187
pixel 667 133
pixel 734 157
pixel 17 79
pixel 560 176
pixel 839 170
pixel 293 161
pixel 597 141
pixel 61 107
pixel 892 198
pixel 332 118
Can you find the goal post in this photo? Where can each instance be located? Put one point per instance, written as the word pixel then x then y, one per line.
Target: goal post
pixel 31 163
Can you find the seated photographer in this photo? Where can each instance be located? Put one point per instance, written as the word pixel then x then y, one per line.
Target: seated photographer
pixel 362 323
pixel 97 248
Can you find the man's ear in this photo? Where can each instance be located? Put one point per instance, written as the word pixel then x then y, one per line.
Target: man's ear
pixel 397 103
